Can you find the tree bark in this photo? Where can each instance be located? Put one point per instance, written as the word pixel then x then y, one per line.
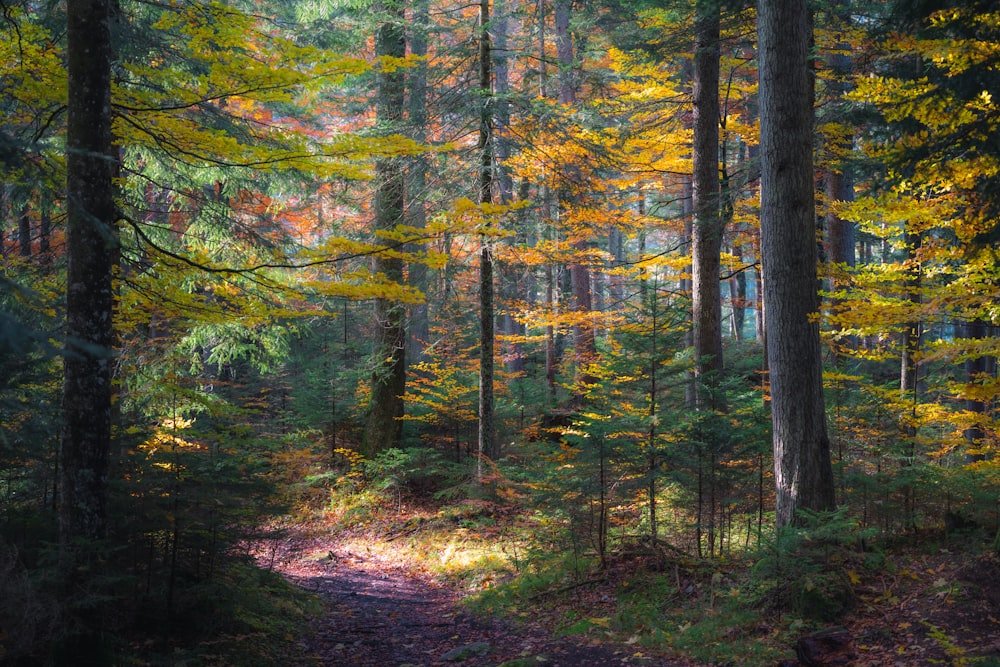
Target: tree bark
pixel 803 471
pixel 385 427
pixel 91 247
pixel 706 237
pixel 487 437
pixel 91 253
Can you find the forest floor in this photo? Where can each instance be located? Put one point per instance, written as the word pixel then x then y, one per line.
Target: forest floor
pixel 934 602
pixel 381 612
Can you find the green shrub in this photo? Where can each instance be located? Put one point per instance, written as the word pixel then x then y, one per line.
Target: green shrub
pixel 807 569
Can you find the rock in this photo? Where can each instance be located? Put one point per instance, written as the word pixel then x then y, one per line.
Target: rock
pixel 467 651
pixel 831 647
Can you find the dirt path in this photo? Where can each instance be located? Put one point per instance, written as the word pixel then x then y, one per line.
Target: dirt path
pixel 377 615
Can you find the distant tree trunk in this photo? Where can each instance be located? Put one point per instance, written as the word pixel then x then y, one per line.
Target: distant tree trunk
pixel 385 427
pixel 839 185
pixel 511 288
pixel 738 294
pixel 501 105
pixel 24 231
pixel 91 254
pixel 416 209
pixel 584 340
pixel 803 471
pixel 911 329
pixel 3 219
pixel 978 369
pixel 706 239
pixel 687 213
pixel 542 57
pixel 45 229
pixel 487 437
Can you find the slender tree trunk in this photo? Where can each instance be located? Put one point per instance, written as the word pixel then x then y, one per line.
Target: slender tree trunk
pixel 584 338
pixel 45 229
pixel 839 185
pixel 706 239
pixel 738 294
pixel 487 437
pixel 911 329
pixel 551 306
pixel 416 209
pixel 24 231
pixel 542 57
pixel 978 369
pixel 511 288
pixel 385 426
pixel 803 471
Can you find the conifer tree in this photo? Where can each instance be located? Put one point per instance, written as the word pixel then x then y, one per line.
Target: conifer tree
pixel 385 427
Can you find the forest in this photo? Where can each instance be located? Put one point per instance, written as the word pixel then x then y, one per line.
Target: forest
pixel 523 332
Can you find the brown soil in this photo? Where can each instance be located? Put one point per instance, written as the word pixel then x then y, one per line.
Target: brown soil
pixel 377 614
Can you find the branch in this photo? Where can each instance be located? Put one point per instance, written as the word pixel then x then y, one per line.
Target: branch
pixel 738 271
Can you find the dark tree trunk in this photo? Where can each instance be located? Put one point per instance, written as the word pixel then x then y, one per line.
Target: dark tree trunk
pixel 487 437
pixel 839 185
pixel 803 472
pixel 706 237
pixel 91 253
pixel 24 232
pixel 44 229
pixel 978 369
pixel 385 427
pixel 91 247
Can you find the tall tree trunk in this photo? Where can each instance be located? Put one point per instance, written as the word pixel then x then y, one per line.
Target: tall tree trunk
pixel 91 247
pixel 687 213
pixel 416 209
pixel 91 250
pixel 511 288
pixel 706 238
pixel 385 426
pixel 584 340
pixel 839 185
pixel 487 437
pixel 803 471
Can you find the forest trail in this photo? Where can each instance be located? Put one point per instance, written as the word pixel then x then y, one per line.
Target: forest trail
pixel 377 614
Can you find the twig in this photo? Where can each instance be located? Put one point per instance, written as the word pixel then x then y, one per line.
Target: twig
pixel 568 587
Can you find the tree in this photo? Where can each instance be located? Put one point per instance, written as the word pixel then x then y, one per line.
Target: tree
pixel 487 437
pixel 803 470
pixel 385 428
pixel 92 250
pixel 584 342
pixel 706 237
pixel 91 245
